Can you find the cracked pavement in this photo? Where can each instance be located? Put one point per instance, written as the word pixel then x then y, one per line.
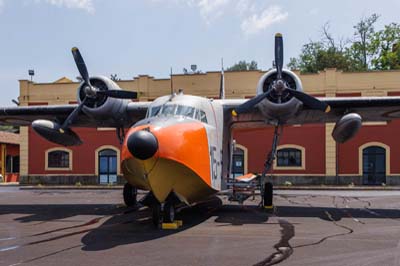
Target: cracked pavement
pixel 72 227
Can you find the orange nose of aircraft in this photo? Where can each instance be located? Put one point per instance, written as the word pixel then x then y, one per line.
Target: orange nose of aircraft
pixel 173 158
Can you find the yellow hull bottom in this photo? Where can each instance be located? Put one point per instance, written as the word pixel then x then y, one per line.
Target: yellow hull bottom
pixel 163 176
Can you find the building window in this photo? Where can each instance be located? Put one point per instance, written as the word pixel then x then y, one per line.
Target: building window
pixel 107 166
pixel 59 159
pixel 12 164
pixel 289 157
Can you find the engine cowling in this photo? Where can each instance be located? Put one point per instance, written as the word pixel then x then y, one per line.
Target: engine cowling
pixel 287 106
pixel 52 132
pixel 101 107
pixel 347 127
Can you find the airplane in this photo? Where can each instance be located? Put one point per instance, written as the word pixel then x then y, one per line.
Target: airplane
pixel 179 147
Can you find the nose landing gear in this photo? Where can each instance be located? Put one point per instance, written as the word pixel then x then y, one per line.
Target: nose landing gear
pixel 163 214
pixel 130 195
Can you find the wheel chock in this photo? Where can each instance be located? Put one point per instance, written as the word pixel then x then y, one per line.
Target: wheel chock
pixel 175 225
pixel 179 222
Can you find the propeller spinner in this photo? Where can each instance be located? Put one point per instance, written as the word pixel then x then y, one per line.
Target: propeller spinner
pixel 280 86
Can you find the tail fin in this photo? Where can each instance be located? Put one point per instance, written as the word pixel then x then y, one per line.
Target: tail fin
pixel 222 83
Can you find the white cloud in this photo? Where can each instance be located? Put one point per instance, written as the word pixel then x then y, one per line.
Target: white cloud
pixel 247 11
pixel 86 5
pixel 80 4
pixel 212 9
pixel 256 23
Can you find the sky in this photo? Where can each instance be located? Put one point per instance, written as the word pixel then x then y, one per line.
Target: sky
pixel 135 37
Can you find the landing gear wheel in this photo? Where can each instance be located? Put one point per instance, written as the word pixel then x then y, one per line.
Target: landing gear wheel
pixel 169 212
pixel 130 194
pixel 268 196
pixel 156 215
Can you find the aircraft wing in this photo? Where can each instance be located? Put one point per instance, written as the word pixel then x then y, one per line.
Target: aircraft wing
pixel 369 108
pixel 25 115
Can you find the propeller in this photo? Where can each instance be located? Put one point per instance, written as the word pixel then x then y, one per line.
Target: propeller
pixel 279 54
pixel 90 91
pixel 280 86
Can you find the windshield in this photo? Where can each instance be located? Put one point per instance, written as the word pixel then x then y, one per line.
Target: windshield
pixel 154 111
pixel 185 111
pixel 168 109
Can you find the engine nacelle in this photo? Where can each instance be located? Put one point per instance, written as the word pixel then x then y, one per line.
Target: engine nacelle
pixel 52 132
pixel 347 127
pixel 288 105
pixel 101 107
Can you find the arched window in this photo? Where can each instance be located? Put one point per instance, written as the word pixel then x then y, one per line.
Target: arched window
pixel 107 164
pixel 374 163
pixel 290 157
pixel 59 159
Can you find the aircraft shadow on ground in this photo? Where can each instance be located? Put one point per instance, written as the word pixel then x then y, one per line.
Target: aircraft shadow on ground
pixel 121 226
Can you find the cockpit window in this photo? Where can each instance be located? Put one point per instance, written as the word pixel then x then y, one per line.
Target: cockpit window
pixel 168 109
pixel 201 115
pixel 154 111
pixel 185 111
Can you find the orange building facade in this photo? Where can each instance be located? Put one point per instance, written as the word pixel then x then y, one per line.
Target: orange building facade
pixel 9 157
pixel 307 154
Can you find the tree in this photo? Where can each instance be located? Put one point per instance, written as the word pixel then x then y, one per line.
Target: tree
pixel 114 77
pixel 243 66
pixel 316 56
pixel 387 43
pixel 12 129
pixel 363 48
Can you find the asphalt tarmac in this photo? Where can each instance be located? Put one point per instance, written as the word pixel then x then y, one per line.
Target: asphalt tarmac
pixel 92 227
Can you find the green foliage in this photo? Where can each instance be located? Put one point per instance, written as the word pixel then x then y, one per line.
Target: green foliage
pixel 316 56
pixel 12 129
pixel 243 66
pixel 363 47
pixel 368 50
pixel 387 43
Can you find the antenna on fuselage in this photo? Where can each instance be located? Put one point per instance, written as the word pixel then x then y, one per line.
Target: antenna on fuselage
pixel 222 82
pixel 172 83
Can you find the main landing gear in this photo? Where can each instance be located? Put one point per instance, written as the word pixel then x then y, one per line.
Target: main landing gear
pixel 266 188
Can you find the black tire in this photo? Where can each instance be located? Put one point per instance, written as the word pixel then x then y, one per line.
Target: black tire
pixel 156 215
pixel 169 212
pixel 130 194
pixel 268 195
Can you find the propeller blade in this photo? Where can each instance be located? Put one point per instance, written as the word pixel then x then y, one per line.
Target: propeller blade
pixel 80 64
pixel 121 94
pixel 72 116
pixel 310 101
pixel 249 105
pixel 279 54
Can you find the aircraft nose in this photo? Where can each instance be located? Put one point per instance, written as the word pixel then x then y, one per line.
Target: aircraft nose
pixel 142 144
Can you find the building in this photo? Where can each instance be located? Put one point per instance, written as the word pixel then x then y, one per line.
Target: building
pixel 9 157
pixel 307 153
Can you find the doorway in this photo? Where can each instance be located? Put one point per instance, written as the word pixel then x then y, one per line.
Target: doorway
pixel 107 166
pixel 374 165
